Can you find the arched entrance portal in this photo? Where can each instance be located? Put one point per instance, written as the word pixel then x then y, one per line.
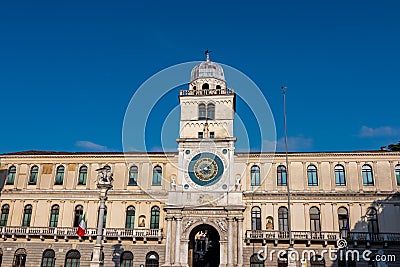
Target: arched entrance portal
pixel 204 247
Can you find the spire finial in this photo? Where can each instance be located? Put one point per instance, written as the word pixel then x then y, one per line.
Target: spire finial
pixel 207 52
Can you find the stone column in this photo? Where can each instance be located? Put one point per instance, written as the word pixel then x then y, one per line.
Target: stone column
pixel 230 241
pixel 178 240
pixel 168 242
pixel 240 241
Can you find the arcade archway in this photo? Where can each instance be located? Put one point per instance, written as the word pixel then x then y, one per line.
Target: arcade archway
pixel 204 247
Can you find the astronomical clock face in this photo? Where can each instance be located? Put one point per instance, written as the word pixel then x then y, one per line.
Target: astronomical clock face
pixel 205 169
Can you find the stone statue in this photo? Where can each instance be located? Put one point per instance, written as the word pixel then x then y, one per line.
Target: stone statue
pixel 104 176
pixel 188 224
pixel 221 225
pixel 270 224
pixel 142 223
pixel 173 184
pixel 238 185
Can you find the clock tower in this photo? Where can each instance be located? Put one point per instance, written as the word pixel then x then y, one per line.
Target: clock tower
pixel 206 141
pixel 205 206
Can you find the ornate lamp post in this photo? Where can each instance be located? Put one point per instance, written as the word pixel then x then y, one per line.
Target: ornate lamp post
pixel 104 183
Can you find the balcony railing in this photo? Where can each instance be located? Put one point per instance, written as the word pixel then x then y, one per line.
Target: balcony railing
pixel 199 92
pixel 66 233
pixel 373 237
pixel 279 236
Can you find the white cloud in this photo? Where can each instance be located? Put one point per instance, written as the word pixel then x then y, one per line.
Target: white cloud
pixel 90 145
pixel 380 131
pixel 295 143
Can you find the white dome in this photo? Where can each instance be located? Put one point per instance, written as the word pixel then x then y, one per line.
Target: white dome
pixel 207 69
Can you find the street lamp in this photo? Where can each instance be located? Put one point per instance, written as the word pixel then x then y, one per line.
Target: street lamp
pixel 104 183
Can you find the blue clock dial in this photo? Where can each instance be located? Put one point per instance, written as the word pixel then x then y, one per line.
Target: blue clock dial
pixel 205 169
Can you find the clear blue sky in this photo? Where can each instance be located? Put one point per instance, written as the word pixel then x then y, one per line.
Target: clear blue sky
pixel 68 69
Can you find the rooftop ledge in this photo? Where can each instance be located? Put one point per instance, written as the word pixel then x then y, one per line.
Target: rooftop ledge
pixel 200 92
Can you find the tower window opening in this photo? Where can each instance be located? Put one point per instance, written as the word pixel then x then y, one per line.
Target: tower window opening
pixel 200 135
pixel 212 134
pixel 205 86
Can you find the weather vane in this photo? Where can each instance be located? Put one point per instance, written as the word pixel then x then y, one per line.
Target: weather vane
pixel 207 52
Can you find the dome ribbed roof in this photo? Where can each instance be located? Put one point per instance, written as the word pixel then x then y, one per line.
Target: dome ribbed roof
pixel 207 69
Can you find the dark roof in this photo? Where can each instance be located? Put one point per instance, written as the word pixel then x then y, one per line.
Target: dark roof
pixel 44 152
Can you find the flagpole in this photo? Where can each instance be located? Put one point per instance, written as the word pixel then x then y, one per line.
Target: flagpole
pixel 287 173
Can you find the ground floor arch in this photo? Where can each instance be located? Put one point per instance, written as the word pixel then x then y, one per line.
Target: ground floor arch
pixel 204 247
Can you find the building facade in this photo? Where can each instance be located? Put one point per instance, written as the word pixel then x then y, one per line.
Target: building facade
pixel 205 205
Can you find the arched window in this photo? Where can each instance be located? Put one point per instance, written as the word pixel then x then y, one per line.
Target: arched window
pixel 205 86
pixel 283 219
pixel 397 172
pixel 11 175
pixel 26 218
pixel 72 259
pixel 202 112
pixel 211 111
pixel 78 215
pixel 152 259
pixel 33 175
pixel 55 210
pixel 48 258
pixel 312 175
pixel 20 257
pixel 315 221
pixel 339 175
pixel 155 218
pixel 5 210
pixel 255 175
pixel 82 175
pixel 59 175
pixel 372 219
pixel 281 175
pixel 256 261
pixel 157 175
pixel 130 217
pixel 126 259
pixel 133 175
pixel 218 87
pixel 256 218
pixel 368 178
pixel 317 261
pixel 343 218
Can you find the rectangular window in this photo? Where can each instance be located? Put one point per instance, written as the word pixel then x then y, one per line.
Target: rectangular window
pixel 82 178
pixel 53 220
pixel 59 178
pixel 26 221
pixel 132 179
pixel 10 178
pixel 211 134
pixel 367 178
pixel 4 218
pixel 157 176
pixel 312 179
pixel 340 181
pixel 200 134
pixel 32 178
